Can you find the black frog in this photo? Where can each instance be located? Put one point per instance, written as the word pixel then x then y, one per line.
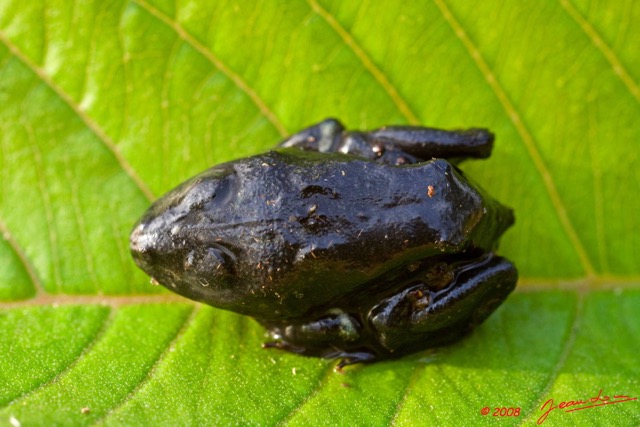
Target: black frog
pixel 342 244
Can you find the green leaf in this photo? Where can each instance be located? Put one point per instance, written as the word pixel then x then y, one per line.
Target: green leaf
pixel 104 106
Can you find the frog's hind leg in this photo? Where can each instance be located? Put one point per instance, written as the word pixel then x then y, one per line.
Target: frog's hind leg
pixel 394 145
pixel 422 143
pixel 421 317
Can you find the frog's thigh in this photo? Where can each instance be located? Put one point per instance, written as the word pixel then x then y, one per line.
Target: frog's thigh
pixel 415 318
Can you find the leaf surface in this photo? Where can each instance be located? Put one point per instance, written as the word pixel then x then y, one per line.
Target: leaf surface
pixel 104 106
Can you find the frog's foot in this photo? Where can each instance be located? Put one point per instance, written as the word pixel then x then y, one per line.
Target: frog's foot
pixel 323 137
pixel 424 143
pixel 353 358
pixel 284 345
pixel 420 317
pixel 346 358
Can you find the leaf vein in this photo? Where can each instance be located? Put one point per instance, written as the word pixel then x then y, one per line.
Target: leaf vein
pixel 323 382
pixel 611 57
pixel 124 58
pixel 46 203
pixel 217 62
pixel 525 285
pixel 564 355
pixel 366 61
pixel 166 107
pixel 81 354
pixel 413 378
pixel 82 115
pixel 24 260
pixel 132 393
pixel 598 199
pixel 525 135
pixel 81 224
pixel 108 300
pixel 84 75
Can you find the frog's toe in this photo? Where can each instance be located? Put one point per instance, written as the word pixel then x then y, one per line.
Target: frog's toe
pixel 353 358
pixel 284 345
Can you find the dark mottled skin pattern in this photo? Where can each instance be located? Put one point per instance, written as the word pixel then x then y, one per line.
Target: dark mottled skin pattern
pixel 342 244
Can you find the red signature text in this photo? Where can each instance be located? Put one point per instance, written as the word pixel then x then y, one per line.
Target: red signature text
pixel 578 405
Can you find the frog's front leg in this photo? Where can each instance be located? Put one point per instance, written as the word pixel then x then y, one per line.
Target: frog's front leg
pixel 423 315
pixel 335 334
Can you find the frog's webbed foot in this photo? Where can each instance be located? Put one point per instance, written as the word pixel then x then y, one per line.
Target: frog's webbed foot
pixel 421 316
pixel 394 145
pixel 353 358
pixel 284 345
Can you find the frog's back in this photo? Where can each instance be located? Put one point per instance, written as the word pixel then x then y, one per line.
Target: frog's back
pixel 345 207
pixel 308 219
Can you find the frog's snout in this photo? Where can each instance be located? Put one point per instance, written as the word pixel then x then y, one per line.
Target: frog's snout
pixel 154 253
pixel 143 244
pixel 171 257
pixel 139 241
pixel 150 245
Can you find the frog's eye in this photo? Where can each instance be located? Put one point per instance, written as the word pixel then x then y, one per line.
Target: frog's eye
pixel 195 194
pixel 201 193
pixel 209 266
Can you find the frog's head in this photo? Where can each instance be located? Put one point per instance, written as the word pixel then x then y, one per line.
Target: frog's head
pixel 177 244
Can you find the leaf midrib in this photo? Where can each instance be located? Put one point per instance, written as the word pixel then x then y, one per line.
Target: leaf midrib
pixel 525 285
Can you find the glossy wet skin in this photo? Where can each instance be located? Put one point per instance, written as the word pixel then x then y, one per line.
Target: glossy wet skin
pixel 342 244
